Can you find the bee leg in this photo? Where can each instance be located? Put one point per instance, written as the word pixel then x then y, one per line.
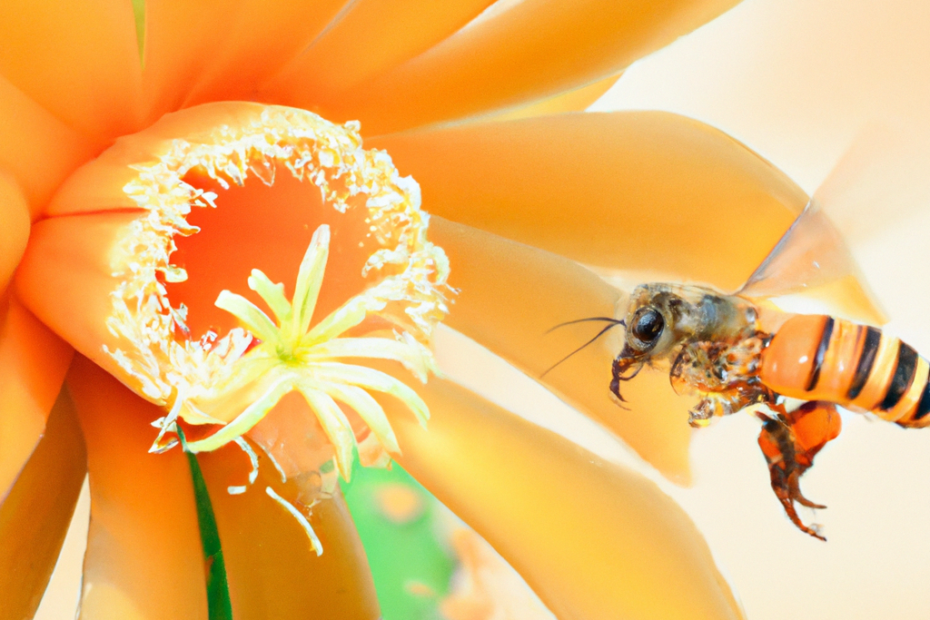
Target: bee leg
pixel 724 402
pixel 782 486
pixel 702 413
pixel 789 442
pixel 799 497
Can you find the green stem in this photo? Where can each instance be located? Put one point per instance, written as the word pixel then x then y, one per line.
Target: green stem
pixel 218 604
pixel 138 11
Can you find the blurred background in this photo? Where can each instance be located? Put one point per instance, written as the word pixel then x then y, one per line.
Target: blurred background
pixel 806 84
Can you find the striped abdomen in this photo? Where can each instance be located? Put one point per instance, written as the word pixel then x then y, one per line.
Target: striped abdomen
pixel 815 357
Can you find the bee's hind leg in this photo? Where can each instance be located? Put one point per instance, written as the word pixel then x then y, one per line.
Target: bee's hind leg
pixel 784 491
pixel 789 442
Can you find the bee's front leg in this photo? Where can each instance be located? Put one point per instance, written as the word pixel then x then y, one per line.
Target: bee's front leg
pixel 725 375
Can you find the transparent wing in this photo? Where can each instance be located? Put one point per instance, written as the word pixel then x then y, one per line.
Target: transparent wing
pixel 812 268
pixel 809 255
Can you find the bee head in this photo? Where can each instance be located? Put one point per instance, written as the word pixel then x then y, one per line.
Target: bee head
pixel 660 318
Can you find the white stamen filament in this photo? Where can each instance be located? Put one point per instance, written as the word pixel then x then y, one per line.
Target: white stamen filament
pixel 253 460
pixel 314 539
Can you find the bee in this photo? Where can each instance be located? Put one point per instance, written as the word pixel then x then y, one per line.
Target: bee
pixel 737 352
pixel 716 346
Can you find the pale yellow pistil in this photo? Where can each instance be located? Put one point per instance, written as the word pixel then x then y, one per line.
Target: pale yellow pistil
pixel 293 356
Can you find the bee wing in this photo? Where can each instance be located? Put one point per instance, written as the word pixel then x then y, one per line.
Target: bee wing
pixel 810 254
pixel 880 183
pixel 811 269
pixel 879 198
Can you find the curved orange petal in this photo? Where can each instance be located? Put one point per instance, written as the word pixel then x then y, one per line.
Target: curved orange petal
pixel 570 101
pixel 179 40
pixel 143 556
pixel 35 147
pixel 33 363
pixel 629 190
pixel 14 227
pixel 511 295
pixel 372 36
pixel 68 258
pixel 210 51
pixel 273 573
pixel 593 539
pixel 524 51
pixel 78 60
pixel 34 517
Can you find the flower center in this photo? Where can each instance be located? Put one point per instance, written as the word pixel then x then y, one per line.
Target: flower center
pixel 269 228
pixel 274 255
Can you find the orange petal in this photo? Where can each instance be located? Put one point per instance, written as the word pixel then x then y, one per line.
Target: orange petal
pixel 593 539
pixel 273 573
pixel 569 101
pixel 78 60
pixel 33 363
pixel 34 517
pixel 526 51
pixel 371 37
pixel 511 295
pixel 211 51
pixel 14 226
pixel 36 148
pixel 68 259
pixel 143 555
pixel 179 40
pixel 629 190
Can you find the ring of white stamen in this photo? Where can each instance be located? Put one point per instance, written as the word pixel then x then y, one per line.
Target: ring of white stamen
pixel 161 365
pixel 232 380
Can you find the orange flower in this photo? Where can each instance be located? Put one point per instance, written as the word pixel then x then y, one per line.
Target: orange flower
pixel 117 158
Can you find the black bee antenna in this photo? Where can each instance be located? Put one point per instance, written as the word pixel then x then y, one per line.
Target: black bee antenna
pixel 593 318
pixel 613 323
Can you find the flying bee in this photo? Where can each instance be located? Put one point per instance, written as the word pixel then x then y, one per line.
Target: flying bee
pixel 717 346
pixel 738 351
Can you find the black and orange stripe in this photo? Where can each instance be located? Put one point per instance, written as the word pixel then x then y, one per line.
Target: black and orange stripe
pixel 814 357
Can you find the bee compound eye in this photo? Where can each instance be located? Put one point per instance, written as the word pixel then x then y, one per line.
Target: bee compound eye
pixel 648 324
